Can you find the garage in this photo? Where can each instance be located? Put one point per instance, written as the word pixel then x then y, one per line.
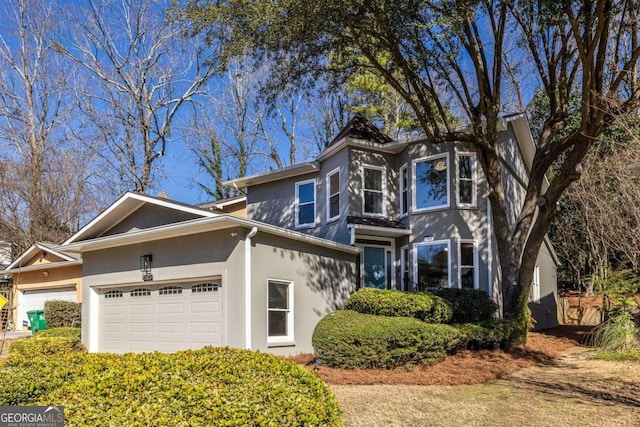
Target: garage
pixel 34 300
pixel 167 318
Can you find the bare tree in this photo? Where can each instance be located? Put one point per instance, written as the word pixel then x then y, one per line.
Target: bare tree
pixel 142 72
pixel 45 175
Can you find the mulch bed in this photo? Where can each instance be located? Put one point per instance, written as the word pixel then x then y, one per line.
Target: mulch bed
pixel 463 368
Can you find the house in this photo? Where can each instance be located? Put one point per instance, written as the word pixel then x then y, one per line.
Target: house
pixel 161 275
pixel 418 211
pixel 260 272
pixel 42 273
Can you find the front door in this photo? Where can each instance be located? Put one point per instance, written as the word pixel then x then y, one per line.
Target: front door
pixel 377 267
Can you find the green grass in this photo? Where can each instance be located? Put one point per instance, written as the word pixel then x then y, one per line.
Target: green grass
pixel 632 355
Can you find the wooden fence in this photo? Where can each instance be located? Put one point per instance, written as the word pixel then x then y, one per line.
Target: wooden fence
pixel 588 310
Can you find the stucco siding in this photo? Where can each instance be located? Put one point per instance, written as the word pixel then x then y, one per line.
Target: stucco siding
pixel 185 259
pixel 149 216
pixel 322 280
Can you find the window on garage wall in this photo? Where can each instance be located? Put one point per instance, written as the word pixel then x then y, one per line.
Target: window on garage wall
pixel 280 311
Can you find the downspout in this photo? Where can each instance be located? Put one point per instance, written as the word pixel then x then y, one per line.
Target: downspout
pixel 247 286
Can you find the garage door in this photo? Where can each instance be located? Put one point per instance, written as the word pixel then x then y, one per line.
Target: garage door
pixel 34 300
pixel 160 318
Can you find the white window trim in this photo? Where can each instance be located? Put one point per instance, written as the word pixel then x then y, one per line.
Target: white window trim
pixel 384 191
pixel 535 285
pixel 328 192
pixel 474 180
pixel 289 338
pixel 434 242
pixel 403 261
pixel 414 208
pixel 476 275
pixel 402 189
pixel 315 204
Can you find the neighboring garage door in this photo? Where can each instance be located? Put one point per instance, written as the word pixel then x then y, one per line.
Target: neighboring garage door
pixel 35 299
pixel 164 318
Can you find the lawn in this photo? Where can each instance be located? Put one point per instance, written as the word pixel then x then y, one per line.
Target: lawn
pixel 570 390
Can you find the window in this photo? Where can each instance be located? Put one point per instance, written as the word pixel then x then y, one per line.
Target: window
pixel 431 183
pixel 170 290
pixel 404 190
pixel 333 194
pixel 140 292
pixel 280 313
pixel 113 294
pixel 374 267
pixel 404 268
pixel 466 196
pixel 306 203
pixel 204 287
pixel 432 264
pixel 373 190
pixel 535 285
pixel 468 264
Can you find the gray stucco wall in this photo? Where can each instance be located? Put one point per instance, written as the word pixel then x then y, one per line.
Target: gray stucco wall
pixel 274 202
pixel 180 258
pixel 150 216
pixel 322 280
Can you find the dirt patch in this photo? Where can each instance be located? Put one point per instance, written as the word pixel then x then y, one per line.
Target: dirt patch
pixel 464 368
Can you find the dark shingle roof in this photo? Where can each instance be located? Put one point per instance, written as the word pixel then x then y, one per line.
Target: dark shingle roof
pixel 359 127
pixel 374 222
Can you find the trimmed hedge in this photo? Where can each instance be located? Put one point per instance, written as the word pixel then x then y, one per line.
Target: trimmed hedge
pixel 60 314
pixel 425 307
pixel 48 342
pixel 469 305
pixel 491 334
pixel 348 339
pixel 211 386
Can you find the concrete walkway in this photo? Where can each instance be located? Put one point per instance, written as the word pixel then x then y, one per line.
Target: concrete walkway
pixel 14 335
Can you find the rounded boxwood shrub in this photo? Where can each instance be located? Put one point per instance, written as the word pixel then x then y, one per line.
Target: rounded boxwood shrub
pixel 60 313
pixel 494 333
pixel 211 386
pixel 385 302
pixel 469 305
pixel 348 339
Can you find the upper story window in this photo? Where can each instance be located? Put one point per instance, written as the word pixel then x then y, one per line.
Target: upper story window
pixel 306 203
pixel 404 190
pixel 466 179
pixel 333 194
pixel 374 186
pixel 431 183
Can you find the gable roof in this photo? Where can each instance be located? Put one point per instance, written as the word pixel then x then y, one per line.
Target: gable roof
pixel 17 265
pixel 125 206
pixel 201 225
pixel 359 127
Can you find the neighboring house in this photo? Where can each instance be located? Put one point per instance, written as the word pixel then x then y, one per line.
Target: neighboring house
pixel 161 275
pixel 418 211
pixel 43 273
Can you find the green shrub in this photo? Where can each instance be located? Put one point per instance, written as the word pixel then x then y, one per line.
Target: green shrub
pixel 469 305
pixel 48 342
pixel 349 339
pixel 62 313
pixel 211 386
pixel 60 332
pixel 490 334
pixel 618 332
pixel 428 308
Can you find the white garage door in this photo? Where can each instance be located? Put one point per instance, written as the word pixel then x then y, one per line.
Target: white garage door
pixel 160 318
pixel 34 300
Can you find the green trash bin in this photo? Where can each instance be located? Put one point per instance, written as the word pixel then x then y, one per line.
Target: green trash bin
pixel 37 320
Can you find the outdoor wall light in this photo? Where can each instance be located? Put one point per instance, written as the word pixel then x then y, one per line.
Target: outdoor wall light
pixel 145 267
